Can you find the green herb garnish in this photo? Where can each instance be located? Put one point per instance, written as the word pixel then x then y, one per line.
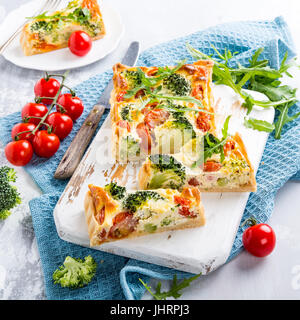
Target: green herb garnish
pixel 213 145
pixel 175 288
pixel 258 76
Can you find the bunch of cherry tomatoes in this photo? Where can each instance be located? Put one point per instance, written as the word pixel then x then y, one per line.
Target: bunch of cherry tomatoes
pixel 41 131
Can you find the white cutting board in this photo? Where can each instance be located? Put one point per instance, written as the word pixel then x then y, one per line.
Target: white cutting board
pixel 193 250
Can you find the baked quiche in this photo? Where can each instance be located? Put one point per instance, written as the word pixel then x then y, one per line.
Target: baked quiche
pixel 210 165
pixel 51 32
pixel 114 213
pixel 159 109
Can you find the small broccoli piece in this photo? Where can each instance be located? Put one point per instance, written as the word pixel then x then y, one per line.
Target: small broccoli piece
pixel 183 125
pixel 167 172
pixel 125 113
pixel 133 78
pixel 177 84
pixel 75 273
pixel 9 196
pixel 130 148
pixel 137 199
pixel 117 192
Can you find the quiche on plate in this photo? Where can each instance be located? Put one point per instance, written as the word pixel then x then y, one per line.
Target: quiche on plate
pixel 114 213
pixel 46 33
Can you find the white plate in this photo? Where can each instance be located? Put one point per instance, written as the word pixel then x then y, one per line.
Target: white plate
pixel 59 59
pixel 193 250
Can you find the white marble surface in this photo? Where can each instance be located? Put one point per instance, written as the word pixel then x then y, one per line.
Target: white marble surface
pixel 246 277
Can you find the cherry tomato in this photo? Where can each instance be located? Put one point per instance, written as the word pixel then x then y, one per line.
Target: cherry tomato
pixel 120 96
pixel 73 106
pixel 124 224
pixel 197 92
pixel 186 212
pixel 193 182
pixel 20 127
pixel 80 43
pixel 152 71
pixel 156 117
pixel 202 121
pixel 100 216
pixel 182 201
pixel 229 145
pixel 46 88
pixel 143 132
pixel 211 166
pixel 123 124
pixel 19 153
pixel 33 110
pixel 45 144
pixel 62 124
pixel 259 240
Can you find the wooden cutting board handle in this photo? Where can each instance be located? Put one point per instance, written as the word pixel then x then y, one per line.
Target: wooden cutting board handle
pixel 74 153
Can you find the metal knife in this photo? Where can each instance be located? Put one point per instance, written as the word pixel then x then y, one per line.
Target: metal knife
pixel 74 153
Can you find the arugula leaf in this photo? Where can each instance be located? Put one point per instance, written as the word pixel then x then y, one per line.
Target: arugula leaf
pixel 148 85
pixel 258 76
pixel 283 119
pixel 213 145
pixel 175 288
pixel 259 125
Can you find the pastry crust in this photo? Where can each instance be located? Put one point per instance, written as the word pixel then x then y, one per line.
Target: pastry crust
pixel 37 41
pixel 95 229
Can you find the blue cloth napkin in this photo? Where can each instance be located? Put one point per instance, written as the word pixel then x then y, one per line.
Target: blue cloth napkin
pixel 117 277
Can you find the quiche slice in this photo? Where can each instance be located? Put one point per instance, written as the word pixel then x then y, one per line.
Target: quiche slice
pixel 51 32
pixel 231 173
pixel 159 109
pixel 113 213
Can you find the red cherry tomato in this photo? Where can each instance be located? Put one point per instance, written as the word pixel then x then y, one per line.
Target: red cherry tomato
pixel 156 117
pixel 186 212
pixel 20 127
pixel 123 124
pixel 211 166
pixel 33 110
pixel 143 132
pixel 62 124
pixel 259 240
pixel 120 96
pixel 202 121
pixel 229 146
pixel 19 153
pixel 73 106
pixel 45 144
pixel 80 43
pixel 182 201
pixel 46 88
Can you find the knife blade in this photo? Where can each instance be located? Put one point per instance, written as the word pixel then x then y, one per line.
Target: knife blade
pixel 74 153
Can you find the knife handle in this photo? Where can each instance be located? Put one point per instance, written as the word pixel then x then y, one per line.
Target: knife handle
pixel 74 153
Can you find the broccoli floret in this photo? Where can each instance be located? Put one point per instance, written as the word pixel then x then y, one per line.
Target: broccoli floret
pixel 182 124
pixel 177 84
pixel 75 273
pixel 130 148
pixel 117 192
pixel 125 113
pixel 167 172
pixel 9 195
pixel 137 199
pixel 133 78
